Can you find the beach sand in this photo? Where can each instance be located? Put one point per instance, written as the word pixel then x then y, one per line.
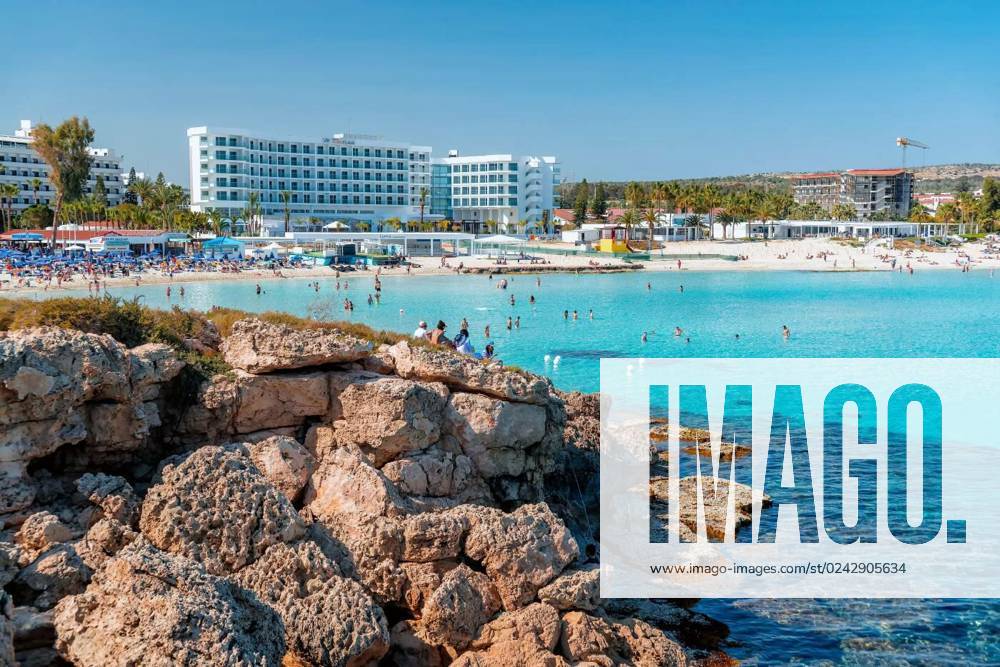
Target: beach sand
pixel 779 255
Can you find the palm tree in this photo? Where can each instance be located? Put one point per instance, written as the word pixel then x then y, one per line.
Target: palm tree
pixel 252 211
pixel 8 192
pixel 36 185
pixel 286 198
pixel 217 222
pixel 143 189
pixel 234 220
pixel 424 193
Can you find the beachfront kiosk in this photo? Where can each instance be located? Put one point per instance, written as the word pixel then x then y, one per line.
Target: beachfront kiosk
pixel 223 247
pixel 614 239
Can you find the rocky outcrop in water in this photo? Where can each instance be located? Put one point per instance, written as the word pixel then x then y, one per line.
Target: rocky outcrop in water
pixel 326 502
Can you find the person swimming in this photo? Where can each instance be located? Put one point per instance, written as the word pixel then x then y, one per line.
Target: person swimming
pixel 678 332
pixel 565 312
pixel 486 332
pixel 258 289
pixel 786 332
pixel 531 299
pixel 510 323
pixel 517 322
pixel 591 314
pixel 644 337
pixel 576 315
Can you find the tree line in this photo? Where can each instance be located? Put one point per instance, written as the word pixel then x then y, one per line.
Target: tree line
pixel 705 203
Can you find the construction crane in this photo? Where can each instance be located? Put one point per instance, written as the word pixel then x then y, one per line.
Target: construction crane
pixel 903 142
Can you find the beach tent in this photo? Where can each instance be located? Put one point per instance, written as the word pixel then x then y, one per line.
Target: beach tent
pixel 223 247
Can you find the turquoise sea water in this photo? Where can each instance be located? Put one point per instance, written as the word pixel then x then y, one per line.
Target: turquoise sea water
pixel 941 313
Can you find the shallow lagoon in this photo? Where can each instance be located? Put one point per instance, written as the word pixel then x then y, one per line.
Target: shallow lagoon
pixel 931 313
pixel 928 314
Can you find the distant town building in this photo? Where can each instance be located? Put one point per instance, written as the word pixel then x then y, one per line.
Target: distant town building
pixel 22 166
pixel 820 188
pixel 869 191
pixel 514 191
pixel 350 178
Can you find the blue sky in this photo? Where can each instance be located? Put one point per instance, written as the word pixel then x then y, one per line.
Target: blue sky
pixel 617 90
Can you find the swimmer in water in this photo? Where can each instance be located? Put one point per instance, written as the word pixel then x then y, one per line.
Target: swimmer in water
pixel 737 336
pixel 168 290
pixel 182 291
pixel 258 289
pixel 681 288
pixel 538 282
pixel 531 299
pixel 687 340
pixel 786 332
pixel 464 325
pixel 565 312
pixel 517 322
pixel 510 323
pixel 591 314
pixel 678 331
pixel 512 299
pixel 486 332
pixel 576 315
pixel 644 338
pixel 649 287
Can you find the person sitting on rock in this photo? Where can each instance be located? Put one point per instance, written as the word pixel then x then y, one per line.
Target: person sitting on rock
pixel 437 336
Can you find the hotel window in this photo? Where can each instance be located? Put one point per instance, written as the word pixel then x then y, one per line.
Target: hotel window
pixel 512 201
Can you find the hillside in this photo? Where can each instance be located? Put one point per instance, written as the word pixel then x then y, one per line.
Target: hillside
pixel 930 178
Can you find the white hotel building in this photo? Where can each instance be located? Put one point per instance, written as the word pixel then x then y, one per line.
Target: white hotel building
pixel 514 191
pixel 350 178
pixel 22 165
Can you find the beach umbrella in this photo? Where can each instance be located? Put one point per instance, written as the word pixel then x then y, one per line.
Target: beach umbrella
pixel 336 224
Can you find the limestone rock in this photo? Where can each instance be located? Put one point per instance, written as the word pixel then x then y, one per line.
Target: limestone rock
pixel 271 401
pixel 435 473
pixel 151 608
pixel 373 546
pixel 463 373
pixel 285 462
pixel 494 433
pixel 257 346
pixel 421 580
pixel 103 540
pixel 113 494
pixel 537 623
pixel 152 365
pixel 463 602
pixel 512 654
pixel 716 500
pixel 52 576
pixel 218 509
pixel 33 629
pixel 609 642
pixel 344 483
pixel 433 536
pixel 411 649
pixel 387 417
pixel 6 629
pixel 329 620
pixel 39 533
pixel 574 589
pixel 521 551
pixel 63 387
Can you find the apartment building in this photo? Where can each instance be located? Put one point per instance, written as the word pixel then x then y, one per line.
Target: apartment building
pixel 351 178
pixel 869 191
pixel 23 166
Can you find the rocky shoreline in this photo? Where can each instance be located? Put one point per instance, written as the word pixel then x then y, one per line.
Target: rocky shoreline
pixel 327 501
